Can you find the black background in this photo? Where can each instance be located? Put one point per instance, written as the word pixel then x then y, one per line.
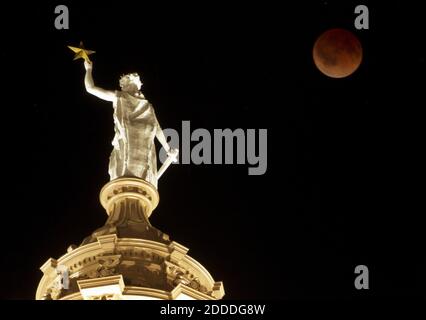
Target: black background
pixel 343 182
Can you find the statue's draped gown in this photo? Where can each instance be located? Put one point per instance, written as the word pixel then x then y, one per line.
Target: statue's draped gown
pixel 136 126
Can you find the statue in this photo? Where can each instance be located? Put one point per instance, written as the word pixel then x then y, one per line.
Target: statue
pixel 136 127
pixel 132 194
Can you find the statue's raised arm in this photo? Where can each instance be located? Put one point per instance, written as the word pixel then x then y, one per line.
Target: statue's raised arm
pixel 92 89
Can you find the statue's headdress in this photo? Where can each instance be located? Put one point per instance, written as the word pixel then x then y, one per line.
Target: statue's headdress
pixel 126 79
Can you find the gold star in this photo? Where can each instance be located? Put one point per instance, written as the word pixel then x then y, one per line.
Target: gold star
pixel 81 52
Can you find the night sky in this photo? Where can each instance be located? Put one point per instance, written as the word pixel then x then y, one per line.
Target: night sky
pixel 343 182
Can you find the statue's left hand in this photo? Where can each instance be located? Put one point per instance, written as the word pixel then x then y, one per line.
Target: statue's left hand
pixel 173 153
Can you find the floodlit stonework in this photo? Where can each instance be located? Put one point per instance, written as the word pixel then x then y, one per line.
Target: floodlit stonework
pixel 128 258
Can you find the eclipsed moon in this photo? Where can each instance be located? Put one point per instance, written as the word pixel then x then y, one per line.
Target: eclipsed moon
pixel 337 53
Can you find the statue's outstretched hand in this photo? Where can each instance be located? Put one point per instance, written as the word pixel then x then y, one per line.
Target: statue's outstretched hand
pixel 173 153
pixel 88 65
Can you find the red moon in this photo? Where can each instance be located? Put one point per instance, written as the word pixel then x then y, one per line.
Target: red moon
pixel 337 53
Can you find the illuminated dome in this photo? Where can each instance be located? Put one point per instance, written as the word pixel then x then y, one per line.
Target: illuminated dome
pixel 127 258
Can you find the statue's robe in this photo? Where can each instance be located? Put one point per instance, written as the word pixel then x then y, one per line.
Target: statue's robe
pixel 136 125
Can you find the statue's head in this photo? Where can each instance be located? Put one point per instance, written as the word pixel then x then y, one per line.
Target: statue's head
pixel 130 82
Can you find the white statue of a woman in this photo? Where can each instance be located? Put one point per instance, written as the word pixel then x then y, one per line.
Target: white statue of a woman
pixel 136 127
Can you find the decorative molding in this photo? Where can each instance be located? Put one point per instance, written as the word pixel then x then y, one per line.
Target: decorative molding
pixel 105 288
pixel 107 242
pixel 127 187
pixel 218 290
pixel 177 252
pixel 49 266
pixel 141 263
